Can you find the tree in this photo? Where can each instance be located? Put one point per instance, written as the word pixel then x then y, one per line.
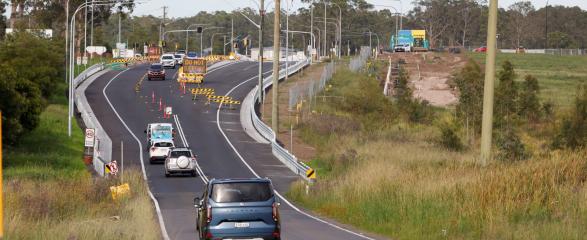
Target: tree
pixel 518 20
pixel 506 95
pixel 2 19
pixel 529 103
pixel 432 14
pixel 469 82
pixel 572 132
pixel 21 104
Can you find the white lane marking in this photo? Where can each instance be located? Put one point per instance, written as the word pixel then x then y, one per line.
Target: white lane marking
pixel 257 175
pixel 185 142
pixel 221 67
pixel 157 208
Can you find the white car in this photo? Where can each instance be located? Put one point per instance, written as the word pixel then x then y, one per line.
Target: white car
pixel 180 160
pixel 159 149
pixel 402 48
pixel 168 60
pixel 179 58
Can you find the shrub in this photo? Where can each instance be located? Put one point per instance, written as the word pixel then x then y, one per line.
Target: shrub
pixel 572 132
pixel 529 103
pixel 449 135
pixel 506 107
pixel 510 146
pixel 469 82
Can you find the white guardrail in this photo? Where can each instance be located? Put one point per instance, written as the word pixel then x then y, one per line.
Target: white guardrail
pixel 103 144
pixel 281 153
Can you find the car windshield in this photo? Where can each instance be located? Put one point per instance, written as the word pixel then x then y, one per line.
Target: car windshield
pixel 167 57
pixel 155 67
pixel 241 192
pixel 177 56
pixel 176 154
pixel 163 144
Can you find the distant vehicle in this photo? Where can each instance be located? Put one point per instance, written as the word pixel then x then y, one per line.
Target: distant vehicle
pixel 480 49
pixel 180 160
pixel 180 52
pixel 178 58
pixel 156 71
pixel 238 208
pixel 168 60
pixel 192 71
pixel 138 55
pixel 159 149
pixel 159 131
pixel 403 48
pixel 192 55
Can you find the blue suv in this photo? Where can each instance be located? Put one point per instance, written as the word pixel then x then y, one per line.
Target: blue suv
pixel 238 208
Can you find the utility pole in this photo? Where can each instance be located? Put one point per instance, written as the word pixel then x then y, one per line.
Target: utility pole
pixel 546 28
pixel 325 33
pixel 262 13
pixel 231 35
pixel 162 24
pixel 313 44
pixel 276 50
pixel 119 21
pixel 224 46
pixel 487 124
pixel 85 28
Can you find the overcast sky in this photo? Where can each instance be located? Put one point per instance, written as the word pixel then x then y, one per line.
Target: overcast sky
pixel 184 8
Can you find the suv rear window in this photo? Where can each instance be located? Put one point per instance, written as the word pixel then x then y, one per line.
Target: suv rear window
pixel 167 57
pixel 176 154
pixel 177 56
pixel 163 144
pixel 241 192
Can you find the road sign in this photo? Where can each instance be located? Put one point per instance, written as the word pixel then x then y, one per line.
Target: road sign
pixel 90 136
pixel 84 60
pixel 168 111
pixel 111 168
pixel 96 49
pixel 311 173
pixel 78 60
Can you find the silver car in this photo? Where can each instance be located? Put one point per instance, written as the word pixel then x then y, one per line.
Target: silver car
pixel 182 161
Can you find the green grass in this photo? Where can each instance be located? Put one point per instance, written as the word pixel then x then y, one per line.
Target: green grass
pixel 559 76
pixel 47 151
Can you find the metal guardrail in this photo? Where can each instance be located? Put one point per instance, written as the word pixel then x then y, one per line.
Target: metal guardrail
pixel 278 151
pixel 103 144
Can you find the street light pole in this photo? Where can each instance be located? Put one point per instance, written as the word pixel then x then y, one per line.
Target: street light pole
pixel 325 33
pixel 275 87
pixel 487 123
pixel 201 39
pixel 261 27
pixel 339 29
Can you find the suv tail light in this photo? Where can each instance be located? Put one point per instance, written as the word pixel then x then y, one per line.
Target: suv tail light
pixel 152 148
pixel 209 214
pixel 275 214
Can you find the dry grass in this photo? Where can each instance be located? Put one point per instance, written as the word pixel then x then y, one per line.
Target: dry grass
pixel 396 181
pixel 78 208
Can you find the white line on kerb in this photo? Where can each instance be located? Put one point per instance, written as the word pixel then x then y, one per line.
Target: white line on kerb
pixel 257 175
pixel 157 208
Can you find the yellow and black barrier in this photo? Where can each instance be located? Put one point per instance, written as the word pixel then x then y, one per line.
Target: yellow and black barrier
pixel 311 173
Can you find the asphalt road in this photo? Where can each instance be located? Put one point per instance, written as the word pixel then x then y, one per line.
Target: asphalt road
pixel 215 135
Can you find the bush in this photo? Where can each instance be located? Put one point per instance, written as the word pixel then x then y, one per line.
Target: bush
pixel 449 135
pixel 529 103
pixel 506 107
pixel 572 132
pixel 510 146
pixel 469 82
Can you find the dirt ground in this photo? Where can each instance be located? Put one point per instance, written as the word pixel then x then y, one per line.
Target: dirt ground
pixel 429 73
pixel 287 118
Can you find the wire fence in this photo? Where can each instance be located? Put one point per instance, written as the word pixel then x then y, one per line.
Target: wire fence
pixel 358 62
pixel 308 90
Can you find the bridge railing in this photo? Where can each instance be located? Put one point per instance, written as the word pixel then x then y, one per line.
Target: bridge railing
pixel 278 151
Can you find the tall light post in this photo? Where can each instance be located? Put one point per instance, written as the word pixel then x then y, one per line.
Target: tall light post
pixel 336 27
pixel 275 87
pixel 212 41
pixel 287 3
pixel 313 38
pixel 339 28
pixel 187 33
pixel 546 28
pixel 487 123
pixel 260 57
pixel 401 9
pixel 325 33
pixel 202 37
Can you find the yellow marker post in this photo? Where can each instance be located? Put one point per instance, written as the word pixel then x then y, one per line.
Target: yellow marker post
pixel 1 190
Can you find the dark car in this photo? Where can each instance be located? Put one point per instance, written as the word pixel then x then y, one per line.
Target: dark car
pixel 238 208
pixel 156 71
